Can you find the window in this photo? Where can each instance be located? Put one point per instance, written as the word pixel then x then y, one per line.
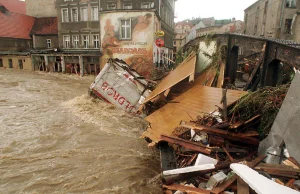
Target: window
pixel 127 6
pixel 126 29
pixel 146 5
pixel 96 41
pixel 10 63
pixel 288 26
pixel 83 14
pixel 66 41
pixel 85 39
pixel 111 6
pixel 74 13
pixel 75 41
pixel 65 15
pixel 1 63
pixel 95 16
pixel 291 3
pixel 48 43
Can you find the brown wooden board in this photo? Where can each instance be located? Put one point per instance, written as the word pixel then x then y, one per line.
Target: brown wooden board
pixel 192 103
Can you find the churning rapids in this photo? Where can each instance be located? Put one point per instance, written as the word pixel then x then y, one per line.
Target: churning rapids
pixel 56 139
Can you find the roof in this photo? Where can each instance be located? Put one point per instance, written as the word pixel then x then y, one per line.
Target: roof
pixel 45 26
pixel 14 25
pixel 184 24
pixel 252 5
pixel 208 21
pixel 15 6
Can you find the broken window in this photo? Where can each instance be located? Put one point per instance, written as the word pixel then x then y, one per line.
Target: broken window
pixel 96 41
pixel 291 3
pixel 75 41
pixel 111 6
pixel 48 43
pixel 126 29
pixel 85 39
pixel 288 26
pixel 74 12
pixel 65 15
pixel 66 39
pixel 95 16
pixel 84 14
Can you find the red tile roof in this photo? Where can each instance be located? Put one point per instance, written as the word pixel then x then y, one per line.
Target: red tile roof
pixel 15 6
pixel 44 26
pixel 14 25
pixel 182 24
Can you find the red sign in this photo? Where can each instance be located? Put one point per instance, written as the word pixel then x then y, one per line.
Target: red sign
pixel 160 42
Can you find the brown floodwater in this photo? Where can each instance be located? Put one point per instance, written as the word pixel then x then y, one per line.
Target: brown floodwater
pixel 56 139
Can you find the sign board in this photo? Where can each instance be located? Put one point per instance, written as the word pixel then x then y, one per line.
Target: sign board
pixel 160 33
pixel 160 42
pixel 117 84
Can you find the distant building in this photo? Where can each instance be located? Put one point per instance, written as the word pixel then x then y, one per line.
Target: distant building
pixel 235 26
pixel 274 19
pixel 15 39
pixel 40 8
pixel 128 32
pixel 182 29
pixel 14 6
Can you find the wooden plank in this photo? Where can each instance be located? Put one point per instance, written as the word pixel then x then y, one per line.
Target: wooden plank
pixel 242 186
pixel 186 189
pixel 187 144
pixel 221 75
pixel 222 133
pixel 192 103
pixel 184 70
pixel 230 181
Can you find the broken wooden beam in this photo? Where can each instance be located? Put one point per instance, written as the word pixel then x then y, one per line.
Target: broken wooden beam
pixel 186 189
pixel 187 144
pixel 242 186
pixel 238 137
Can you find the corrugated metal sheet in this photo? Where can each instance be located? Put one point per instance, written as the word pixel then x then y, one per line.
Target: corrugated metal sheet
pixel 184 70
pixel 196 101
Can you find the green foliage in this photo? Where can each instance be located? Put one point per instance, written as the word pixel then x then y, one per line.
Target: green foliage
pixel 265 102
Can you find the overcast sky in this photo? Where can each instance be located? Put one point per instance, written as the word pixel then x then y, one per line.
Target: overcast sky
pixel 220 9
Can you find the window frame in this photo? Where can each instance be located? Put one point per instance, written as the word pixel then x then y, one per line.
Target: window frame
pixel 97 45
pixel 62 15
pixel 83 41
pixel 1 62
pixel 127 4
pixel 121 27
pixel 111 3
pixel 92 12
pixel 75 40
pixel 64 41
pixel 49 43
pixel 286 29
pixel 290 4
pixel 148 3
pixel 82 15
pixel 72 18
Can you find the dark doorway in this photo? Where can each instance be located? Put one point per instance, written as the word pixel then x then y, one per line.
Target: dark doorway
pixel 10 63
pixel 272 73
pixel 232 64
pixel 20 64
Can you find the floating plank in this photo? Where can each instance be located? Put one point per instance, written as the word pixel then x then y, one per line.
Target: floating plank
pixel 184 70
pixel 192 103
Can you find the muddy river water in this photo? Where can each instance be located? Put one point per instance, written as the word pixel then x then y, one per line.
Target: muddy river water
pixel 55 139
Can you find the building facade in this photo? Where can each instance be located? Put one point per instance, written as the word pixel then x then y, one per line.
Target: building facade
pixel 182 29
pixel 40 8
pixel 15 43
pixel 274 19
pixel 128 32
